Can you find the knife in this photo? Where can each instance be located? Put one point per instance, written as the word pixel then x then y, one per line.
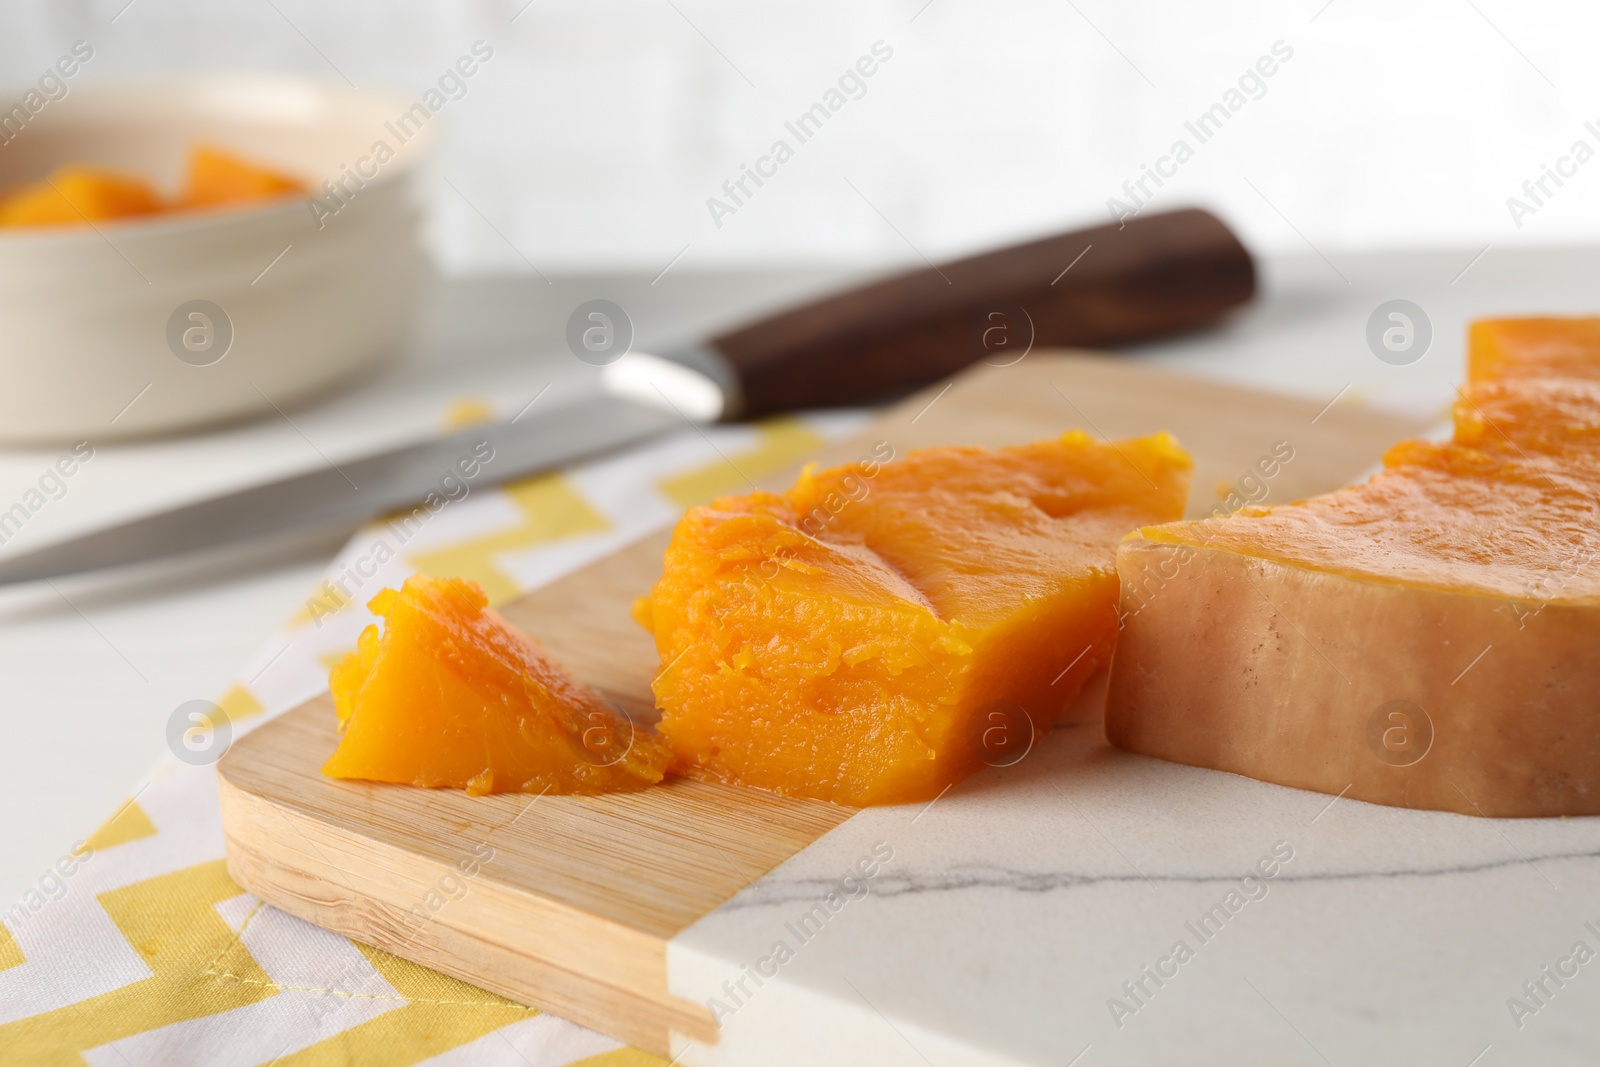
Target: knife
pixel 1149 276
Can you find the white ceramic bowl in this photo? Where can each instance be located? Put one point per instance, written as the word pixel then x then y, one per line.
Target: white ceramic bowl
pixel 313 295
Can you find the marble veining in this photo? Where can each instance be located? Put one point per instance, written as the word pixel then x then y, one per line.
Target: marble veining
pixel 783 891
pixel 1090 903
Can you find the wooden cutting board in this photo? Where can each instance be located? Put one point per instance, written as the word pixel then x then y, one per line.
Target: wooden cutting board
pixel 568 903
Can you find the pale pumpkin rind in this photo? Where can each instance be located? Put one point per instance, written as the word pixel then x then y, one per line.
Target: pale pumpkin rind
pixel 1424 639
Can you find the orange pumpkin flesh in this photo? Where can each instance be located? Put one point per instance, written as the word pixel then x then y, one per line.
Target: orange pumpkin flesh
pixel 217 178
pixel 837 640
pixel 1424 639
pixel 74 196
pixel 1507 349
pixel 77 196
pixel 1558 417
pixel 452 695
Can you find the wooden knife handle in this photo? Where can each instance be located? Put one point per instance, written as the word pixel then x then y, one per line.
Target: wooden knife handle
pixel 1156 274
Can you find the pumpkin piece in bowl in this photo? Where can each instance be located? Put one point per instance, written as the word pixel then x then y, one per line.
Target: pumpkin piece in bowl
pixel 74 196
pixel 218 178
pixel 80 195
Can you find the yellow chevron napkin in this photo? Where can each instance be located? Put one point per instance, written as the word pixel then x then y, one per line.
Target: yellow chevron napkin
pixel 136 949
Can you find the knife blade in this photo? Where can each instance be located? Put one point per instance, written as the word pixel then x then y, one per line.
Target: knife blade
pixel 1149 276
pixel 343 496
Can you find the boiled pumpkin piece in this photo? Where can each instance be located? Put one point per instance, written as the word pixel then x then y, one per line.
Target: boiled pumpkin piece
pixel 1424 639
pixel 1544 416
pixel 881 630
pixel 76 196
pixel 1539 347
pixel 216 177
pixel 451 695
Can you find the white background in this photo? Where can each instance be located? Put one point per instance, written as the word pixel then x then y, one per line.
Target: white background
pixel 599 129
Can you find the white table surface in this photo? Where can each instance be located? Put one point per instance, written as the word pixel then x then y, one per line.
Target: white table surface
pixel 91 670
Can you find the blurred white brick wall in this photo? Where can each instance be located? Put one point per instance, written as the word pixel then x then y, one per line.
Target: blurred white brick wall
pixel 601 127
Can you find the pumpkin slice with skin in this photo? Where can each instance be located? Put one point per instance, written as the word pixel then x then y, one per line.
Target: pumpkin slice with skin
pixel 881 630
pixel 1424 639
pixel 451 695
